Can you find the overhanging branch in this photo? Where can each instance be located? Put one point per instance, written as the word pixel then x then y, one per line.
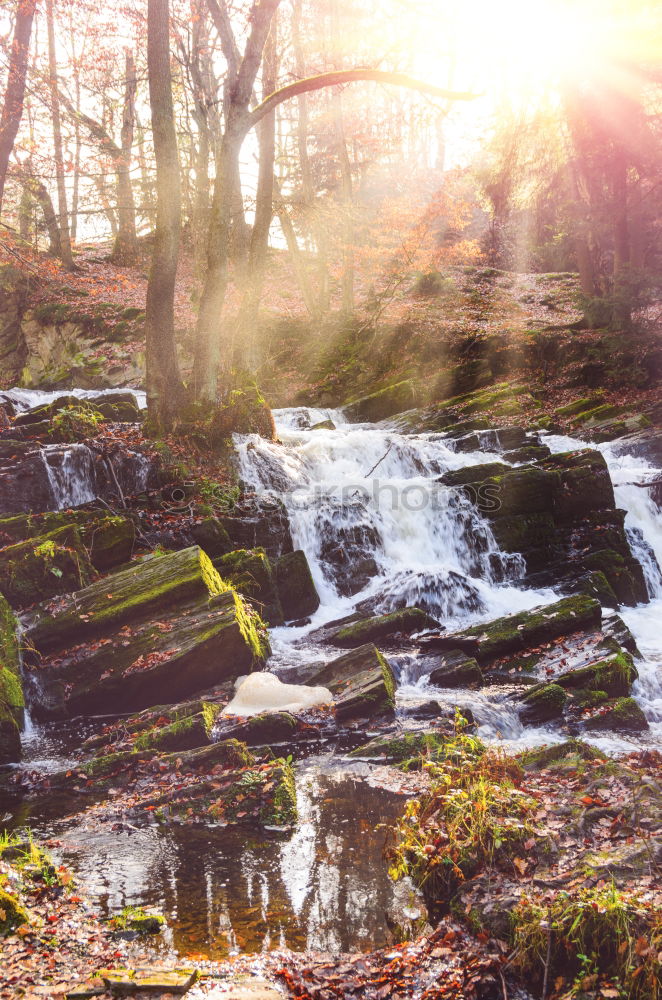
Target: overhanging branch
pixel 338 77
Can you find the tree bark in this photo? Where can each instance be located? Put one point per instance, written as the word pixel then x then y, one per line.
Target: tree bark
pixel 264 207
pixel 12 109
pixel 164 385
pixel 126 244
pixel 65 239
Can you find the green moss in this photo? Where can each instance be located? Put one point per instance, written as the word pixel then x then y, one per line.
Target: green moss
pixel 12 913
pixel 9 648
pixel 249 571
pixel 614 674
pixel 579 405
pixel 370 629
pixel 11 691
pixel 543 702
pixel 621 714
pixel 282 811
pixel 135 918
pixel 54 563
pixel 571 750
pixel 597 414
pixel 182 734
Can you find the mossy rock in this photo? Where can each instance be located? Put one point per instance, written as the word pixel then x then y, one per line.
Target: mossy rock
pixel 250 572
pixel 533 535
pixel 12 913
pixel 624 575
pixel 406 750
pixel 296 587
pixel 583 405
pixel 323 425
pixel 211 536
pixel 456 669
pixel 208 635
pixel 614 674
pixel 182 734
pixel 406 620
pixel 569 752
pixel 383 403
pixel 54 563
pixel 543 703
pixel 473 473
pixel 620 714
pixel 517 632
pixel 10 656
pixel 135 918
pixel 109 539
pixel 596 415
pixel 361 681
pixel 585 484
pixel 527 453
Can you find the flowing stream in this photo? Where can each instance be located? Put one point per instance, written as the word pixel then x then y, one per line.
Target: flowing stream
pixel 380 532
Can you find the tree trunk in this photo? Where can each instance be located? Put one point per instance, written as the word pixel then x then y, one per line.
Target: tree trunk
pixel 298 263
pixel 65 239
pixel 347 210
pixel 12 109
pixel 622 291
pixel 75 195
pixel 164 385
pixel 264 208
pixel 126 244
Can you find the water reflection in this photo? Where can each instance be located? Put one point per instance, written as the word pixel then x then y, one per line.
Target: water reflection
pixel 325 887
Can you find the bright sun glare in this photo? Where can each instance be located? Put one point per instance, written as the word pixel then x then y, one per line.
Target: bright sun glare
pixel 523 49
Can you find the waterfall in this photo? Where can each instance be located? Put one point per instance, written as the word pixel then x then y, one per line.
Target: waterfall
pixel 70 471
pixel 366 505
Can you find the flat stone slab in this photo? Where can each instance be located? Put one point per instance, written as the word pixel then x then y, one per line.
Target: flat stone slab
pixel 124 982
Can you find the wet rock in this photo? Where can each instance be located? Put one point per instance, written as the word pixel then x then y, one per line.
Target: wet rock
pixel 212 536
pixel 613 675
pixel 383 403
pixel 296 588
pixel 585 483
pixel 473 473
pixel 426 710
pixel 361 681
pixel 620 714
pixel 623 573
pixel 456 669
pixel 543 703
pixel 166 624
pixel 406 621
pixel 11 690
pixel 520 631
pixel 125 982
pixel 24 480
pixel 259 522
pixel 323 425
pixel 54 563
pixel 250 572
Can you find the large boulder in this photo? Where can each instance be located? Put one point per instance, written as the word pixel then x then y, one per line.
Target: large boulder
pixel 109 539
pixel 55 563
pixel 383 403
pixel 296 587
pixel 361 681
pixel 250 572
pixel 11 692
pixel 168 624
pixel 518 632
pixel 406 621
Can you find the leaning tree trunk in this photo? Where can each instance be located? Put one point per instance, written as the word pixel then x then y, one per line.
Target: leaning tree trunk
pixel 12 109
pixel 164 385
pixel 65 239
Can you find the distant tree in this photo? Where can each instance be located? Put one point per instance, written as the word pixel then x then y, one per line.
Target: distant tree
pixel 163 379
pixel 12 109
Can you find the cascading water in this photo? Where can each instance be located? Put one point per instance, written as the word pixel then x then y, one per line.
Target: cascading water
pixel 380 532
pixel 70 471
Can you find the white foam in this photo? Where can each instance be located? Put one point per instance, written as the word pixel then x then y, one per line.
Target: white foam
pixel 263 692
